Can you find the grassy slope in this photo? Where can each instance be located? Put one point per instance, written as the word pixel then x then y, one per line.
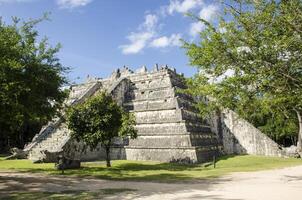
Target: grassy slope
pixel 155 171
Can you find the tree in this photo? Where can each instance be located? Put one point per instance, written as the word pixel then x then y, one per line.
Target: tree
pixel 31 77
pixel 251 60
pixel 99 120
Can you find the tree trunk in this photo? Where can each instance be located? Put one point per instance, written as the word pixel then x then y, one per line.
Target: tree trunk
pixel 21 140
pixel 8 144
pixel 107 148
pixel 299 141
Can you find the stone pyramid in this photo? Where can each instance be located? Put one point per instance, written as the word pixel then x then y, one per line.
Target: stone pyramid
pixel 169 127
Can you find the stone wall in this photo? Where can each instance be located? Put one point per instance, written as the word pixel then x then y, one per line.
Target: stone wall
pixel 240 137
pixel 76 150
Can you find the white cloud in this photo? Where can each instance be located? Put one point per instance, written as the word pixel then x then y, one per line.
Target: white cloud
pixel 183 6
pixel 206 13
pixel 161 42
pixel 195 28
pixel 145 37
pixel 150 22
pixel 139 40
pixel 148 35
pixel 72 3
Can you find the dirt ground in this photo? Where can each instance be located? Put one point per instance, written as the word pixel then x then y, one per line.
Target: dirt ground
pixel 285 184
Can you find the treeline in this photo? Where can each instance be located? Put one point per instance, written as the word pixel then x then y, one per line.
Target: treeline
pixel 30 80
pixel 249 60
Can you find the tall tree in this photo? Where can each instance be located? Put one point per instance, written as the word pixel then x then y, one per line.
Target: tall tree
pixel 251 60
pixel 30 80
pixel 98 121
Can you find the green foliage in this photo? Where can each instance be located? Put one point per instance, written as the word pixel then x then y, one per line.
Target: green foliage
pixel 30 80
pixel 99 120
pixel 250 61
pixel 127 128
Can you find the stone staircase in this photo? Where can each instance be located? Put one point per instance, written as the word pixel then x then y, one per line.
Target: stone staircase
pixel 52 143
pixel 55 134
pixel 169 127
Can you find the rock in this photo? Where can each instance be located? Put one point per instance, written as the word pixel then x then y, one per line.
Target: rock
pixel 65 163
pixel 17 154
pixel 292 152
pixel 183 161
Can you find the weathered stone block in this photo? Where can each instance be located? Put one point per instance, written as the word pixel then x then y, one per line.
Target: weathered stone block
pixel 153 104
pixel 65 163
pixel 161 141
pixel 162 128
pixel 161 154
pixel 161 116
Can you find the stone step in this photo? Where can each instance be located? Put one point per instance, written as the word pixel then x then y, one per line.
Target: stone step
pixel 51 144
pixel 181 127
pixel 191 116
pixel 167 116
pixel 162 116
pixel 168 128
pixel 188 154
pixel 156 104
pixel 173 140
pixel 161 141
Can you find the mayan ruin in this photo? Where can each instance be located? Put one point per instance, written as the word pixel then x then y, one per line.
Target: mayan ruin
pixel 150 100
pixel 168 124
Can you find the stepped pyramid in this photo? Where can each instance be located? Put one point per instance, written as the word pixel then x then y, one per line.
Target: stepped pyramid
pixel 55 134
pixel 169 128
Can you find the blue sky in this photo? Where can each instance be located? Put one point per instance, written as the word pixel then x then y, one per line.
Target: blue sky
pixel 99 36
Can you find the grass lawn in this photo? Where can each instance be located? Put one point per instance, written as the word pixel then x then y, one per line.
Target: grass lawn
pixel 155 171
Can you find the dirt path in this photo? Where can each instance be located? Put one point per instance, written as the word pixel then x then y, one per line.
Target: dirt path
pixel 272 185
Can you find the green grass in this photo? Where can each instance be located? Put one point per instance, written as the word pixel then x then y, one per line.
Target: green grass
pixel 64 195
pixel 155 171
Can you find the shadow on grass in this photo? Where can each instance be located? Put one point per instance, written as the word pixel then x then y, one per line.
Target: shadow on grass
pixel 160 166
pixel 135 171
pixel 226 157
pixel 156 178
pixel 31 187
pixel 164 172
pixel 130 172
pixel 65 194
